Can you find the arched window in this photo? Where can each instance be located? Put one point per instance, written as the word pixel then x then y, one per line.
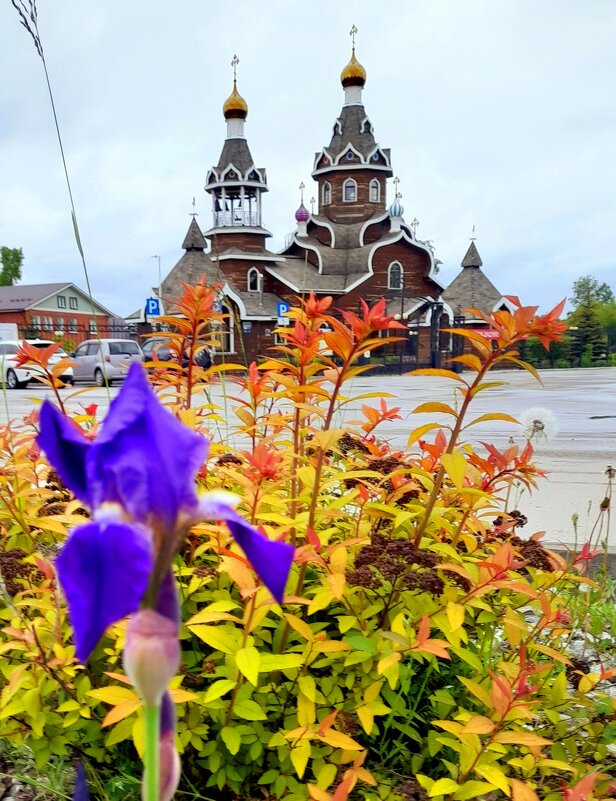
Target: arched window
pixel 327 193
pixel 395 275
pixel 349 191
pixel 253 279
pixel 375 191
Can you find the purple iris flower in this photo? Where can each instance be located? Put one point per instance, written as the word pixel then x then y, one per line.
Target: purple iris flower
pixel 138 478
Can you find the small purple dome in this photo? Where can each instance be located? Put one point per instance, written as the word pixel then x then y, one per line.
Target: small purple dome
pixel 302 214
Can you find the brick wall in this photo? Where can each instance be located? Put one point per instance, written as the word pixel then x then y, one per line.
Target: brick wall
pixel 363 207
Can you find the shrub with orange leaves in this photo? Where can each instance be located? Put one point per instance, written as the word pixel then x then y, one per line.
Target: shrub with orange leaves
pixel 422 646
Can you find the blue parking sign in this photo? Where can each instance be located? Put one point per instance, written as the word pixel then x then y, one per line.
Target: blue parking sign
pixel 152 307
pixel 283 308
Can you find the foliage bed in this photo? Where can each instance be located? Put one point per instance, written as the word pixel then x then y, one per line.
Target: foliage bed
pixel 422 649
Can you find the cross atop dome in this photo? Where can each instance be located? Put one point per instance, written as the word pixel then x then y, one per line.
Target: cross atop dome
pixel 235 107
pixel 353 76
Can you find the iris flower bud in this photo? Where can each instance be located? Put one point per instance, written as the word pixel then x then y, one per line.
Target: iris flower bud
pixel 151 654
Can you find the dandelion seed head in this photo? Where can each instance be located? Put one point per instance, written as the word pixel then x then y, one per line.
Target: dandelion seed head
pixel 539 424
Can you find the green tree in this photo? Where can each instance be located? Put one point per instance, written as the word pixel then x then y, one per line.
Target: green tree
pixel 588 290
pixel 11 259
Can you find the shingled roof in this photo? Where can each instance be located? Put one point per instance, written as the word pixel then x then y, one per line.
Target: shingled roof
pixel 471 288
pixel 193 264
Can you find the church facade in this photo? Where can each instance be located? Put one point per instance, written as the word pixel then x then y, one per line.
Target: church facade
pixel 352 246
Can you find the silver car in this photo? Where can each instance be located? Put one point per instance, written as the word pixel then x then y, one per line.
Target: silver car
pixel 104 360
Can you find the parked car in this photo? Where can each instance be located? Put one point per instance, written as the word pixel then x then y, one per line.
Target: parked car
pixel 104 360
pixel 160 349
pixel 14 377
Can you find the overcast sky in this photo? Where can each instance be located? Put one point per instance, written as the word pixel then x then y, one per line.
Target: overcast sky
pixel 499 114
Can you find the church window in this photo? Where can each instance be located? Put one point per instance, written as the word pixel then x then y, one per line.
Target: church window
pixel 253 279
pixel 394 275
pixel 375 191
pixel 327 193
pixel 350 155
pixel 350 191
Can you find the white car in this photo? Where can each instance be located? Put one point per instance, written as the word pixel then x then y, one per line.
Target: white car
pixel 14 377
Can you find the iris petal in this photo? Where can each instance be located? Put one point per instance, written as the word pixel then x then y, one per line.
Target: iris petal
pixel 270 559
pixel 144 458
pixel 104 570
pixel 66 449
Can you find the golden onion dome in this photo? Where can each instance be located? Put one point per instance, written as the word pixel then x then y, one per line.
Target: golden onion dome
pixel 353 74
pixel 235 105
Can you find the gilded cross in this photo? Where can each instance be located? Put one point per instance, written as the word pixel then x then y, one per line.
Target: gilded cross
pixel 473 237
pixel 396 184
pixel 234 62
pixel 193 214
pixel 353 33
pixel 302 186
pixel 414 225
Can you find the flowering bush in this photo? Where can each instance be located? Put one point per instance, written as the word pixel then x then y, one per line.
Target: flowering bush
pixel 421 646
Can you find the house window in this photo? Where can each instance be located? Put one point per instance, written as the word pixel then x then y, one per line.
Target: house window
pixel 35 321
pixel 47 323
pixel 62 301
pixel 72 303
pixel 59 323
pixel 93 327
pixel 349 191
pixel 394 275
pixel 72 325
pixel 375 191
pixel 254 277
pixel 327 193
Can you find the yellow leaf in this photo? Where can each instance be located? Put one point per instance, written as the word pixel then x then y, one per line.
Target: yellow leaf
pixel 366 717
pixel 231 738
pixel 301 627
pixel 434 407
pixel 521 738
pixel 339 740
pixel 114 695
pixel 306 710
pixel 472 789
pixel 326 775
pixel 387 662
pixel 421 431
pixel 438 372
pixel 280 662
pixel 179 696
pixel 486 418
pixel 478 725
pixel 455 465
pixel 120 712
pixel 317 793
pixel 330 646
pixel 337 583
pixel 217 690
pixel 247 661
pixel 522 791
pixel 308 687
pixel 214 636
pixel 300 754
pixel 443 787
pixel 455 615
pixel 477 690
pixel 495 776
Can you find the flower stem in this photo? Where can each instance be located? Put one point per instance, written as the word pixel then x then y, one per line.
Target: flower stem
pixel 151 715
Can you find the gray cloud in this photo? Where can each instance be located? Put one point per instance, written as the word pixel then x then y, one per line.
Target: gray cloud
pixel 500 115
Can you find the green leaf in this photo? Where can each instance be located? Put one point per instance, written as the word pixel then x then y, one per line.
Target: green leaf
pixel 231 738
pixel 361 643
pixel 247 661
pixel 269 776
pixel 249 710
pixel 217 690
pixel 308 687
